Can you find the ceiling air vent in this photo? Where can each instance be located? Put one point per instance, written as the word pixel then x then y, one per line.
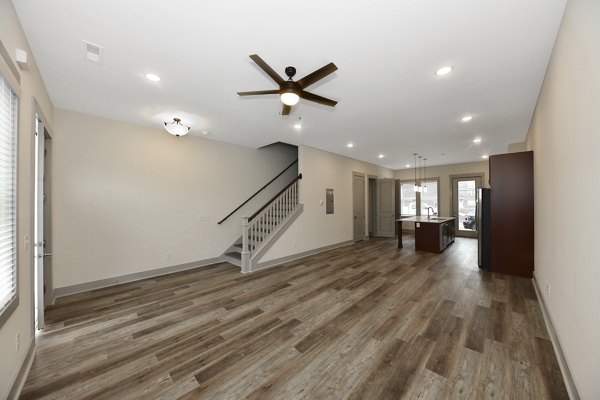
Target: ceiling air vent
pixel 93 52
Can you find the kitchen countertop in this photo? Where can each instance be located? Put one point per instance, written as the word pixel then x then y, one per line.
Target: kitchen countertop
pixel 437 220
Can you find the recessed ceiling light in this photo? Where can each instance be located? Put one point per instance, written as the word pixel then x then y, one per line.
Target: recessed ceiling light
pixel 407 165
pixel 485 156
pixel 467 118
pixel 350 145
pixel 443 71
pixel 153 77
pixel 477 140
pixel 380 155
pixel 298 125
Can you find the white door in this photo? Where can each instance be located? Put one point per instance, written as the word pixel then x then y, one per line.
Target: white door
pixel 38 234
pixel 386 207
pixel 358 206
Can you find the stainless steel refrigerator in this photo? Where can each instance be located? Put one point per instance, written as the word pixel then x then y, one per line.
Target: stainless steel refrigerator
pixel 484 232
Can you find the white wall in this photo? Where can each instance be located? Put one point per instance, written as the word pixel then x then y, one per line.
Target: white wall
pixel 32 88
pixel 128 199
pixel 444 173
pixel 565 137
pixel 314 229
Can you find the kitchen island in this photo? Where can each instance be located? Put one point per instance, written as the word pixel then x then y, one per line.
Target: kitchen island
pixel 432 234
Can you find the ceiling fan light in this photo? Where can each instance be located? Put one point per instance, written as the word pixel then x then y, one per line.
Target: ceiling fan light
pixel 289 98
pixel 176 128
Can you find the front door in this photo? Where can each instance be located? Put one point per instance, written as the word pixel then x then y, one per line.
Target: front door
pixel 464 201
pixel 386 207
pixel 38 233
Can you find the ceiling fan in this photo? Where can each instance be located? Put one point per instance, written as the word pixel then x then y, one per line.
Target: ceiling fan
pixel 291 91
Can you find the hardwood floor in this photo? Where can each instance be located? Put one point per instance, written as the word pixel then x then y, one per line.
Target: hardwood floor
pixel 368 321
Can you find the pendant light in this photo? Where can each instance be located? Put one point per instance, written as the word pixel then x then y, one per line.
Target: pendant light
pixel 420 188
pixel 425 175
pixel 416 187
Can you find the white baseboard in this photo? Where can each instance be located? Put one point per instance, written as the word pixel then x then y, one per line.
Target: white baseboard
pixel 84 287
pixel 15 390
pixel 278 261
pixel 560 355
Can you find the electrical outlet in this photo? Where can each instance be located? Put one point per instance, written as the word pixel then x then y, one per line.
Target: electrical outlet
pixel 548 289
pixel 18 340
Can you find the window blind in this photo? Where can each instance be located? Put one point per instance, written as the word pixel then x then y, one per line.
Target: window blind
pixel 8 149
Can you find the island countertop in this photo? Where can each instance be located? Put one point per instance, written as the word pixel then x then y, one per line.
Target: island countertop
pixel 425 219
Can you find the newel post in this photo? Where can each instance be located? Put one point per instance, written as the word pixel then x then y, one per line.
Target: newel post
pixel 245 245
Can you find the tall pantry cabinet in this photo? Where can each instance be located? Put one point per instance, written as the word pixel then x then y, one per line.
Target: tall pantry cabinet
pixel 511 181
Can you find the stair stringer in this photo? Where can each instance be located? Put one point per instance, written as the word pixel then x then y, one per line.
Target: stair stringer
pixel 258 253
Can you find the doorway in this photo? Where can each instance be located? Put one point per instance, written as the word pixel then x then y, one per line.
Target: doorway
pixel 372 206
pixel 358 206
pixel 464 202
pixel 41 224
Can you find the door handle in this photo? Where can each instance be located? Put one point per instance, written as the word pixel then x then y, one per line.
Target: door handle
pixel 47 254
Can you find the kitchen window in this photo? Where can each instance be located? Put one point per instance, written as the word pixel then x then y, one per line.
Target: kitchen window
pixel 8 196
pixel 415 203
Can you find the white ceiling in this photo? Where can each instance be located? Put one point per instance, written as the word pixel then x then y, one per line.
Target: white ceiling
pixel 387 52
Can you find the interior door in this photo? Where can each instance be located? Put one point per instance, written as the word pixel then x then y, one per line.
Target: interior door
pixel 38 253
pixel 464 201
pixel 358 206
pixel 386 207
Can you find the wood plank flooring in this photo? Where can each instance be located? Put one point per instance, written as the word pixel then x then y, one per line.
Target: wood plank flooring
pixel 367 321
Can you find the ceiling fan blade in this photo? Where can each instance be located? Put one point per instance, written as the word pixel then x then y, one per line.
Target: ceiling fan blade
pixel 286 110
pixel 257 92
pixel 317 75
pixel 265 67
pixel 317 99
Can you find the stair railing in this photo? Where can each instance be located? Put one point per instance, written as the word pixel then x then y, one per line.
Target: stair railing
pixel 257 228
pixel 257 192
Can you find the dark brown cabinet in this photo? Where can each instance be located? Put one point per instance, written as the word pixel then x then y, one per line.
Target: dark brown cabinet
pixel 512 241
pixel 434 237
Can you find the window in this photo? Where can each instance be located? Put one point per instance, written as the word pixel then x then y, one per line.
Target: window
pixel 429 197
pixel 408 199
pixel 414 203
pixel 8 150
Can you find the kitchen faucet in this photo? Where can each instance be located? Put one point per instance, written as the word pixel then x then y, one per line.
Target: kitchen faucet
pixel 430 208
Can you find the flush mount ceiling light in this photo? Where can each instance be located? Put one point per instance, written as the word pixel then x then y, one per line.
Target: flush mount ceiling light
pixel 444 70
pixel 467 118
pixel 152 77
pixel 477 140
pixel 176 128
pixel 350 145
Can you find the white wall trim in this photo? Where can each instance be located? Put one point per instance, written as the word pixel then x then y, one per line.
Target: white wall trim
pixel 15 390
pixel 101 283
pixel 562 361
pixel 278 261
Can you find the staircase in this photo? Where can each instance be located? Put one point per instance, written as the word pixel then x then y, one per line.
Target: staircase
pixel 261 229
